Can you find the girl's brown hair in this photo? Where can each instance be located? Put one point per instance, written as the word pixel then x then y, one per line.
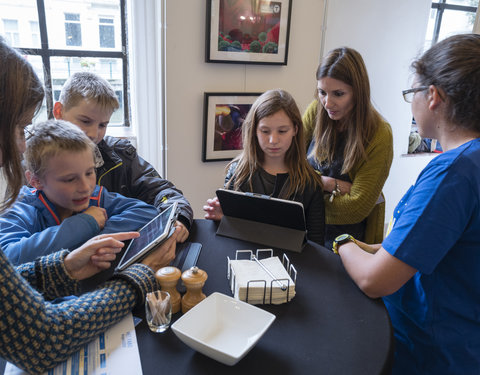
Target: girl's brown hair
pixel 346 65
pixel 21 92
pixel 299 170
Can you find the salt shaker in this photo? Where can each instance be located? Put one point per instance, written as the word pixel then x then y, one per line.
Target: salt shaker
pixel 194 279
pixel 168 278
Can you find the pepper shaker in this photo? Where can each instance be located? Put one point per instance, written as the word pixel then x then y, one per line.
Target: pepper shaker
pixel 168 278
pixel 194 279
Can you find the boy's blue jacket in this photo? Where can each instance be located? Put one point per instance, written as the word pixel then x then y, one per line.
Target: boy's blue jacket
pixel 31 227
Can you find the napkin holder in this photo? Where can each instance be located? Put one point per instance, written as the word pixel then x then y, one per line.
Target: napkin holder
pixel 266 288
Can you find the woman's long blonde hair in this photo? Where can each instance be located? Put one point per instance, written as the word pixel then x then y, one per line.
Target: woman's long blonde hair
pixel 346 65
pixel 300 172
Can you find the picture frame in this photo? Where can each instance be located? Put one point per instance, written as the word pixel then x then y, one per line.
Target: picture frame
pixel 238 33
pixel 222 127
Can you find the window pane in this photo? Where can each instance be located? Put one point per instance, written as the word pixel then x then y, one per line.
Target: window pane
pixel 456 22
pixel 110 69
pixel 467 3
pixel 15 22
pixel 80 29
pixel 36 62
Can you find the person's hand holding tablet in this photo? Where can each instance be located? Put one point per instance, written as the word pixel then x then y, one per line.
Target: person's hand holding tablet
pixel 162 255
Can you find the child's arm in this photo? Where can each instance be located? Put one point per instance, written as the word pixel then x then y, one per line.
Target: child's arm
pixel 25 235
pixel 125 214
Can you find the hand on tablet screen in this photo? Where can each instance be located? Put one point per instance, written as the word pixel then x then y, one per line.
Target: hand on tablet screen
pixel 164 254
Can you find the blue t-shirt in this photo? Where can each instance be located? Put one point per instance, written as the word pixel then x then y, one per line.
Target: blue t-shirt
pixel 436 230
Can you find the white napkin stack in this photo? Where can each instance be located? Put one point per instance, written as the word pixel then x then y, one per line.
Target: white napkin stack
pixel 248 270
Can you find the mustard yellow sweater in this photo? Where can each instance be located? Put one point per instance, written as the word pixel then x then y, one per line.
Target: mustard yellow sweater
pixel 368 177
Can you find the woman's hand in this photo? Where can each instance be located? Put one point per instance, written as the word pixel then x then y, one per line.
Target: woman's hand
pixel 164 254
pixel 330 183
pixel 96 254
pixel 213 209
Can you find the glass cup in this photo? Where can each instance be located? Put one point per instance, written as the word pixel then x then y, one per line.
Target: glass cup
pixel 158 310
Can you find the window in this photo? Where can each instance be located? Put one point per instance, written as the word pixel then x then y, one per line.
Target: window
pixel 449 17
pixel 73 30
pixel 11 34
pixel 35 32
pixel 59 42
pixel 106 31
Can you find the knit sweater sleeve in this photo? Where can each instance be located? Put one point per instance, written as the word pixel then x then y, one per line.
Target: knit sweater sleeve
pixel 368 178
pixel 309 121
pixel 36 335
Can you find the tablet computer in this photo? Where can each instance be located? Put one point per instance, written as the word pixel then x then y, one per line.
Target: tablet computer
pixel 261 219
pixel 262 208
pixel 153 234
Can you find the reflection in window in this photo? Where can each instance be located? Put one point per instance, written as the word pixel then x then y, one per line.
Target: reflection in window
pixel 106 31
pixel 11 32
pixel 73 29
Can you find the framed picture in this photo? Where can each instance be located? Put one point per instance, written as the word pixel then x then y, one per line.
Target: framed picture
pixel 224 114
pixel 248 32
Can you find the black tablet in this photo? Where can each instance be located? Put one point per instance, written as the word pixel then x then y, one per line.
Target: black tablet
pixel 152 234
pixel 262 208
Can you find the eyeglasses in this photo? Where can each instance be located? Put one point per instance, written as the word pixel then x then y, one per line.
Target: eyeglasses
pixel 408 94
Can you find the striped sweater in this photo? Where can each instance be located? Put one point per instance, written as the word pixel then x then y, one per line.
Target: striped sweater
pixel 35 334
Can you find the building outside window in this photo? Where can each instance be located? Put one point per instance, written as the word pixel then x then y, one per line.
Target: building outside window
pixel 447 18
pixel 59 42
pixel 73 30
pixel 106 31
pixel 11 31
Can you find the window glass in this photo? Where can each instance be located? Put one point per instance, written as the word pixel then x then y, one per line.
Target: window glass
pixel 111 69
pixel 16 17
pixel 95 25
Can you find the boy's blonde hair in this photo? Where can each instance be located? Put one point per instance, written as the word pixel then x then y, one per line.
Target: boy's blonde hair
pixel 88 86
pixel 48 139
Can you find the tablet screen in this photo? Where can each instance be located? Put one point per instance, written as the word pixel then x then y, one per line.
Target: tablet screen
pixel 153 233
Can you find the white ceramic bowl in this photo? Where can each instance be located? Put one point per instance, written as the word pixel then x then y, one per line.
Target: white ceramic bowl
pixel 222 327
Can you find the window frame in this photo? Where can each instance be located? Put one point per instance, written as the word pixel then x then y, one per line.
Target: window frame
pixel 441 6
pixel 46 53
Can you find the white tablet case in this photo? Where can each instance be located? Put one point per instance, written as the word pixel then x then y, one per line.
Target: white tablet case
pixel 263 220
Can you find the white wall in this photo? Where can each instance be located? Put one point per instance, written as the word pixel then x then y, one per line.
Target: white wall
pixel 188 77
pixel 388 34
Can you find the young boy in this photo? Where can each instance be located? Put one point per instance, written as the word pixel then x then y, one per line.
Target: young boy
pixel 88 101
pixel 66 208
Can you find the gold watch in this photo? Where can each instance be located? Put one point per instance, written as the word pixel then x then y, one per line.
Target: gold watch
pixel 341 239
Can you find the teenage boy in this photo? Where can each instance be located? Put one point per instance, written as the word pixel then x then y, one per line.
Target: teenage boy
pixel 66 208
pixel 88 101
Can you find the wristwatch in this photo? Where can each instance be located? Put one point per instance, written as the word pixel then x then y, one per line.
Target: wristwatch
pixel 341 239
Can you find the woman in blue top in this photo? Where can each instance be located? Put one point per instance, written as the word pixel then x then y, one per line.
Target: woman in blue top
pixel 428 266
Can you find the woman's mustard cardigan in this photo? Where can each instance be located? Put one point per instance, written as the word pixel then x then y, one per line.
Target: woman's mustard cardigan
pixel 368 176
